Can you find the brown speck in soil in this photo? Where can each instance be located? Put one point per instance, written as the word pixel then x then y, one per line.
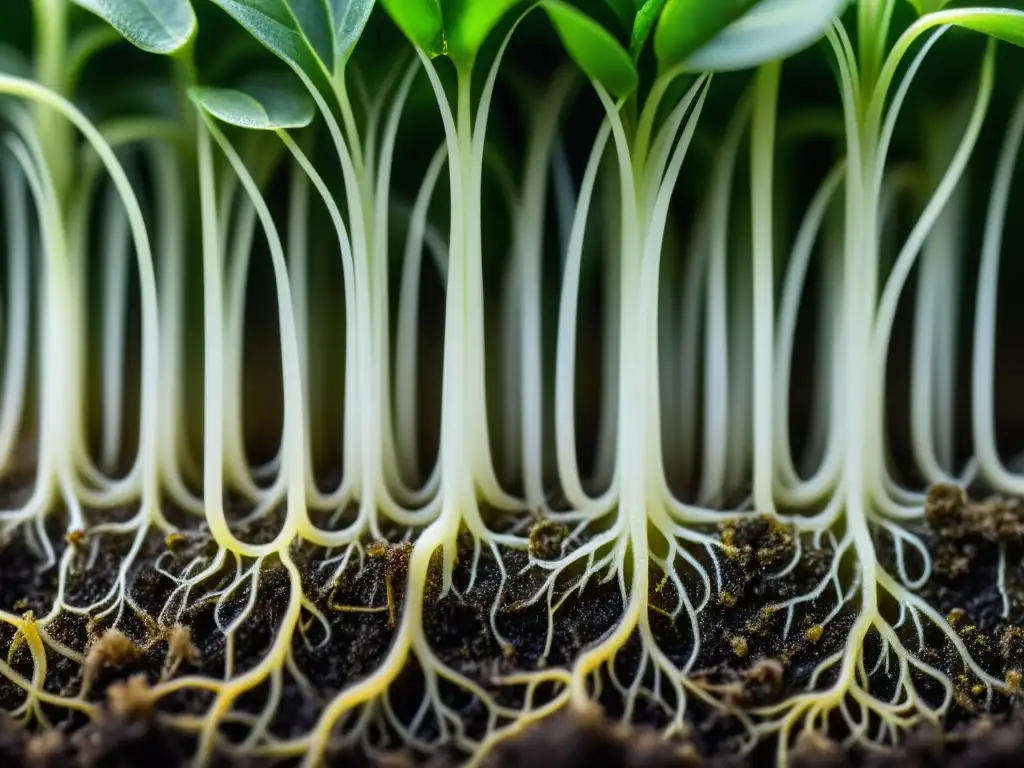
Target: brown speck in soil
pixel 1013 681
pixel 395 557
pixel 951 562
pixel 586 740
pixel 132 698
pixel 179 649
pixel 761 623
pixel 546 539
pixel 739 646
pixel 767 672
pixel 44 748
pixel 111 649
pixel 815 749
pixel 964 696
pixel 952 515
pixel 1011 644
pixel 944 501
pixel 762 683
pixel 757 543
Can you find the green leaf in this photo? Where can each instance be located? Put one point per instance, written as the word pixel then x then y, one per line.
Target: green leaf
pixel 157 26
pixel 686 25
pixel 314 35
pixel 350 18
pixel 315 23
pixel 453 28
pixel 469 22
pixel 927 6
pixel 274 24
pixel 647 14
pixel 1002 24
pixel 998 23
pixel 264 104
pixel 593 48
pixel 767 31
pixel 421 22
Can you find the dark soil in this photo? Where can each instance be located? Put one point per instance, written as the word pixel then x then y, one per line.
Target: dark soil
pixel 744 654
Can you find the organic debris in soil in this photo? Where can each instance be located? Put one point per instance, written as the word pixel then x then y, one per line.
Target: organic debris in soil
pixel 117 739
pixel 745 658
pixel 952 515
pixel 586 740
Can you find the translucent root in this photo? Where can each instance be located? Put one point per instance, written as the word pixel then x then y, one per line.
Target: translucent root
pixel 901 537
pixel 228 691
pixel 831 578
pixel 850 694
pixel 194 574
pixel 117 597
pixel 410 643
pixel 654 665
pixel 602 557
pixel 29 635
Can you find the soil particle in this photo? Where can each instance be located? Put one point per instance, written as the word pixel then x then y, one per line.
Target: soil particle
pixel 130 699
pixel 1011 644
pixel 994 746
pixel 585 740
pixel 952 515
pixel 175 541
pixel 572 741
pixel 112 741
pixel 763 681
pixel 739 645
pixel 757 543
pixel 180 649
pixel 546 539
pixel 111 649
pixel 814 750
pixel 115 741
pixel 985 743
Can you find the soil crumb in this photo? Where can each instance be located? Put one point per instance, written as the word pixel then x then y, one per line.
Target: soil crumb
pixel 582 741
pixel 952 515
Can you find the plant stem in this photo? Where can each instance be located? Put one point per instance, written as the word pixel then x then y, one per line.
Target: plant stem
pixel 762 149
pixel 51 52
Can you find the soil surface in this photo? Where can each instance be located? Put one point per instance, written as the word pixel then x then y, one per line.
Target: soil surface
pixel 745 653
